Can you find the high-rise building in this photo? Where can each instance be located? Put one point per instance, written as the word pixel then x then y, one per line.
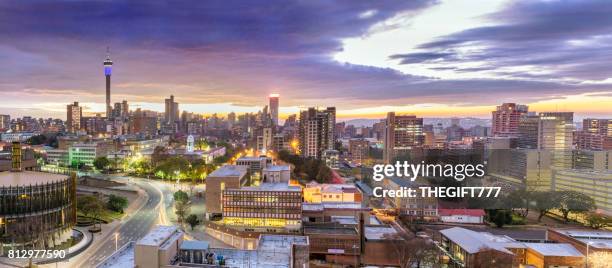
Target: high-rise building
pixel 317 131
pixel 402 134
pixel 528 131
pixel 274 101
pixel 597 126
pixel 5 121
pixel 125 109
pixel 73 117
pixel 506 119
pixel 171 113
pixel 108 65
pixel 555 134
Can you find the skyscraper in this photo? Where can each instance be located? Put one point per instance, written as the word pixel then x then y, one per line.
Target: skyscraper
pixel 274 101
pixel 73 117
pixel 506 119
pixel 402 134
pixel 171 112
pixel 317 131
pixel 555 134
pixel 108 65
pixel 5 121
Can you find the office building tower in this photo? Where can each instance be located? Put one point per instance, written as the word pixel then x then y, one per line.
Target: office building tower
pixel 108 65
pixel 528 131
pixel 317 131
pixel 506 118
pixel 73 117
pixel 402 134
pixel 125 109
pixel 5 121
pixel 597 126
pixel 555 134
pixel 171 112
pixel 274 101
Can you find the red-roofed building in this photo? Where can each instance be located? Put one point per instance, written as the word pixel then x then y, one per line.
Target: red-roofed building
pixel 461 215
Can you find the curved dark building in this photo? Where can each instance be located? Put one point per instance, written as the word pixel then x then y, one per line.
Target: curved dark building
pixel 37 210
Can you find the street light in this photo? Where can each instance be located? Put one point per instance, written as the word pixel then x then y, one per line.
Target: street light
pixel 587 256
pixel 116 240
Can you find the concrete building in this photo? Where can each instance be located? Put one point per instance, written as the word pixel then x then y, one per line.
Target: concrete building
pixel 593 241
pixel 402 134
pixel 254 164
pixel 474 216
pixel 359 150
pixel 39 204
pixel 86 152
pixel 274 103
pixel 555 134
pixel 505 119
pixel 159 247
pixel 317 131
pixel 225 177
pixel 16 136
pixel 74 113
pixel 269 207
pixel 425 208
pixel 276 174
pixel 58 157
pixel 592 159
pixel 596 184
pixel 171 112
pixel 524 168
pixel 331 193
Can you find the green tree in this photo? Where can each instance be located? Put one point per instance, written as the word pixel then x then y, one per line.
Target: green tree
pixel 500 217
pixel 575 202
pixel 117 203
pixel 543 202
pixel 91 207
pixel 192 220
pixel 180 196
pixel 159 154
pixel 101 163
pixel 324 175
pixel 598 220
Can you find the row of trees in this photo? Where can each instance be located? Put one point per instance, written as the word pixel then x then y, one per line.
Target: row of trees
pixel 568 203
pixel 307 168
pixel 92 207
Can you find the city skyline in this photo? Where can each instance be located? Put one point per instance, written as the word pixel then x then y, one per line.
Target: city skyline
pixel 219 58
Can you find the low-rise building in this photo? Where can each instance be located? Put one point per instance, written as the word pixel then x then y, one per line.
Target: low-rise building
pixel 335 193
pixel 269 207
pixel 225 177
pixel 276 173
pixel 596 184
pixel 462 215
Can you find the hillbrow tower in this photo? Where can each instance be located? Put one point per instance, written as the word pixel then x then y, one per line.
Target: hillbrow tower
pixel 108 66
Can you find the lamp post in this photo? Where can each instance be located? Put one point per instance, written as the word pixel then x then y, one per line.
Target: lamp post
pixel 587 255
pixel 116 240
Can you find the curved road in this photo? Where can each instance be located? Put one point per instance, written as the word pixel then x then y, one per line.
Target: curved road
pixel 134 228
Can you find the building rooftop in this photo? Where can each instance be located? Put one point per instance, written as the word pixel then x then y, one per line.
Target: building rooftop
pixel 595 238
pixel 251 158
pixel 24 178
pixel 473 242
pixel 272 187
pixel 344 219
pixel 194 245
pixel 158 235
pixel 277 168
pixel 554 249
pixel 461 211
pixel 229 171
pixel 331 205
pixel 339 230
pixel 380 232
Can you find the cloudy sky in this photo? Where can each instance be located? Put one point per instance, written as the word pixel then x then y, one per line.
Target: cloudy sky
pixel 430 58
